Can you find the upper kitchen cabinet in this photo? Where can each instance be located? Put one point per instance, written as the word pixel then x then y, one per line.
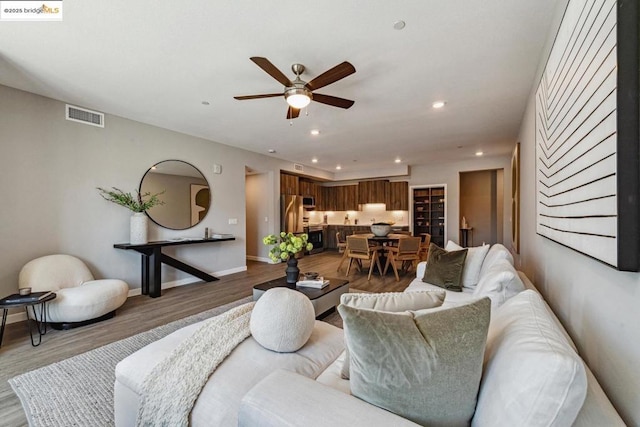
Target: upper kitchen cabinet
pixel 347 197
pixel 398 196
pixel 373 192
pixel 307 188
pixel 328 200
pixel 289 184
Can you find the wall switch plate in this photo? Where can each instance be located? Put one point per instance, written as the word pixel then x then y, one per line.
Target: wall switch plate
pixel 217 168
pixel 266 219
pixel 233 221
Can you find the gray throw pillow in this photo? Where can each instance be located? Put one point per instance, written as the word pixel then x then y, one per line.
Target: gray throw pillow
pixel 388 301
pixel 424 365
pixel 444 268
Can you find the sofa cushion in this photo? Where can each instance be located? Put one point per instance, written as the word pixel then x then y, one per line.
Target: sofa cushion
pixel 496 252
pixel 424 366
pixel 532 376
pixel 282 320
pixel 390 301
pixel 219 401
pixel 444 269
pixel 500 282
pixel 472 264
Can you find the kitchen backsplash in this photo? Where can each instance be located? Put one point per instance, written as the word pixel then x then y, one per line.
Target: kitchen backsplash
pixel 367 216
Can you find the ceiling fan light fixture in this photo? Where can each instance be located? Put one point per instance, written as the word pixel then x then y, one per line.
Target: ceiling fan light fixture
pixel 298 97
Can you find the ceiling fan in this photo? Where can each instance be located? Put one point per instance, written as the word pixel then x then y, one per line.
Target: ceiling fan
pixel 299 93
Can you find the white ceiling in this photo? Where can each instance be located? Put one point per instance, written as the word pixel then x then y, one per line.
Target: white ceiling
pixel 155 62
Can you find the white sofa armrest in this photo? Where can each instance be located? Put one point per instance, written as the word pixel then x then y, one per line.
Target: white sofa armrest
pixel 287 399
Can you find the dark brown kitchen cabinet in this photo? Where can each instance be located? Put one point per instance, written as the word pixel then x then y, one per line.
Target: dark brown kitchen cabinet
pixel 347 197
pixel 289 184
pixel 307 188
pixel 398 196
pixel 373 192
pixel 328 199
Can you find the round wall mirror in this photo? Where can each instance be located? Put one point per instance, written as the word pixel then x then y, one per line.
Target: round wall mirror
pixel 186 196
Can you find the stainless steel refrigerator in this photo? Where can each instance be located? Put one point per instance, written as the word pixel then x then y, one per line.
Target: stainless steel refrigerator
pixel 291 213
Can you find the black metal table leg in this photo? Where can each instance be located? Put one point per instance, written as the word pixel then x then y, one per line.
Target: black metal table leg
pixel 41 326
pixel 4 322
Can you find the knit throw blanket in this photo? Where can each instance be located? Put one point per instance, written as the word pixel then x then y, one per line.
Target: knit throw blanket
pixel 172 387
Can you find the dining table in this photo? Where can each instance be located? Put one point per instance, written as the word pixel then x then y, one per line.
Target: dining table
pixel 384 241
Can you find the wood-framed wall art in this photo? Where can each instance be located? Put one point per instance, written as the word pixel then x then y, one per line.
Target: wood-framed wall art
pixel 515 198
pixel 587 134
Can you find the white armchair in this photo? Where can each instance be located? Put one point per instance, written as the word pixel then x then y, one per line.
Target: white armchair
pixel 80 300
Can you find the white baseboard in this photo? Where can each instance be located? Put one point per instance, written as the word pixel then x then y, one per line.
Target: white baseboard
pixel 19 317
pixel 16 317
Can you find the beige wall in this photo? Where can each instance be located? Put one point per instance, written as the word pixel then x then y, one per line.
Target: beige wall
pixel 258 187
pixel 597 304
pixel 51 168
pixel 448 173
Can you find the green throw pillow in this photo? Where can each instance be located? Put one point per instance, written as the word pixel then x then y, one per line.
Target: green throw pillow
pixel 424 366
pixel 444 268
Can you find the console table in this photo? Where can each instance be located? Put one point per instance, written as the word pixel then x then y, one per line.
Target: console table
pixel 152 257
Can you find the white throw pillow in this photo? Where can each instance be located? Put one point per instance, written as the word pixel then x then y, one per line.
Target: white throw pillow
pixel 500 282
pixel 390 302
pixel 497 252
pixel 532 376
pixel 282 320
pixel 472 264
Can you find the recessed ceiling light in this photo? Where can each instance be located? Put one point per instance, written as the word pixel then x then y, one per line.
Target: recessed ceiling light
pixel 398 160
pixel 205 102
pixel 271 150
pixel 438 104
pixel 338 167
pixel 314 160
pixel 399 25
pixel 315 132
pixel 479 153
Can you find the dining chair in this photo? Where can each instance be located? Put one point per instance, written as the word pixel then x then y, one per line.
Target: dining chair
pixel 358 248
pixel 406 252
pixel 341 243
pixel 424 246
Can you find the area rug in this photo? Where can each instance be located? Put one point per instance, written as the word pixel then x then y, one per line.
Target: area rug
pixel 79 391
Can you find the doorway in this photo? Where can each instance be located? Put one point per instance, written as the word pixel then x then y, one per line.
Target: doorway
pixel 259 213
pixel 482 206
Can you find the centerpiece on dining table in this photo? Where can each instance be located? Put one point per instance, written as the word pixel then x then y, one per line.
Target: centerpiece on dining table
pixel 381 229
pixel 286 247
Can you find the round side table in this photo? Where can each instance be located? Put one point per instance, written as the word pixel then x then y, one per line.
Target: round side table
pixel 26 301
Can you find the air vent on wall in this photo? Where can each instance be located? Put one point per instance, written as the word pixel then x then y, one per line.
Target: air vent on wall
pixel 82 115
pixel 298 167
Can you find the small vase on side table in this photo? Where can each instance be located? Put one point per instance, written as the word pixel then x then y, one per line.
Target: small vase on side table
pixel 292 270
pixel 138 229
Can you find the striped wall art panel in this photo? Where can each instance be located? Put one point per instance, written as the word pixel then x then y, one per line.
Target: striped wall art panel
pixel 587 134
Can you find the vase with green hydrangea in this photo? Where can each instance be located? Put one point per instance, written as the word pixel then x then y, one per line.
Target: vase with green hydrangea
pixel 285 248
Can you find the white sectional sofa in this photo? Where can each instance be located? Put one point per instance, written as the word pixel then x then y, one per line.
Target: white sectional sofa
pixel 532 374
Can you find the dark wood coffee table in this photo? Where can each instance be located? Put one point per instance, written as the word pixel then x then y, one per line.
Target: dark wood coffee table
pixel 324 300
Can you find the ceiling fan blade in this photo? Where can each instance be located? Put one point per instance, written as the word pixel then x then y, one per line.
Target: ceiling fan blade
pixel 293 113
pixel 266 95
pixel 271 69
pixel 332 100
pixel 338 72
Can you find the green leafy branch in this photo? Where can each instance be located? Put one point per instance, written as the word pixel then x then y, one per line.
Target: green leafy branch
pixel 138 203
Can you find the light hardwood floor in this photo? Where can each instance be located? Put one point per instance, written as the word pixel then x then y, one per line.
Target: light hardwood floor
pixel 142 313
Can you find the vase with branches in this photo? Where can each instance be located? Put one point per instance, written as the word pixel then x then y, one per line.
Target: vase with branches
pixel 138 204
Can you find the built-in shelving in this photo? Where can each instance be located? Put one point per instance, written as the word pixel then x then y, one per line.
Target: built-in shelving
pixel 429 212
